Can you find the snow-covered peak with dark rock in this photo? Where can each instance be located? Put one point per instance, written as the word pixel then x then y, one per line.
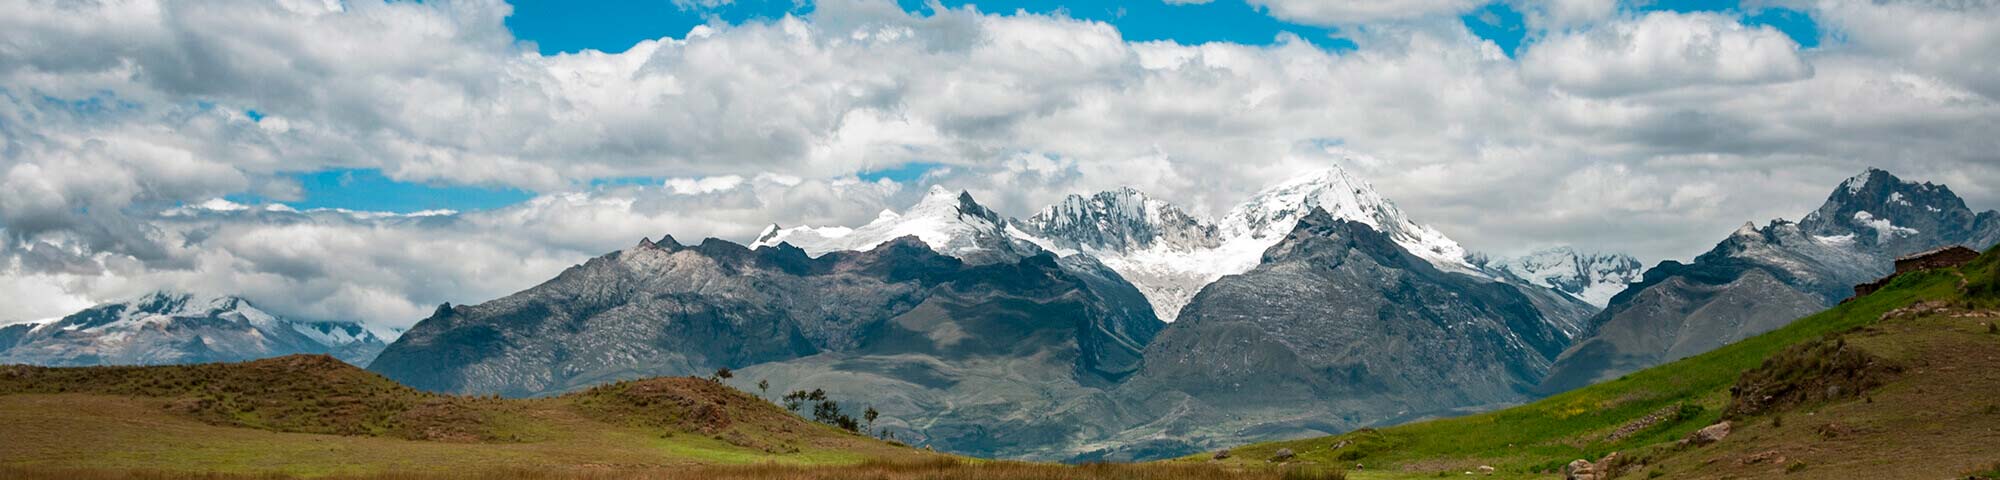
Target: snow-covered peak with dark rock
pixel 1591 277
pixel 1878 212
pixel 949 222
pixel 1119 221
pixel 1272 213
pixel 174 327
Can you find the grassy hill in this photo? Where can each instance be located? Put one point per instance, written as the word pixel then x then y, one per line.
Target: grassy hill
pixel 1903 383
pixel 314 415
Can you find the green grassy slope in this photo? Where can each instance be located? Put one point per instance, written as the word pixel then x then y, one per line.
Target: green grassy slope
pixel 313 415
pixel 1529 441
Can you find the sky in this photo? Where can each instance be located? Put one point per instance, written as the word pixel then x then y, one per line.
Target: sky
pixel 366 160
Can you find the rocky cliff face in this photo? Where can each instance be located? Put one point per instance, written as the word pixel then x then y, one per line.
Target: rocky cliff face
pixel 174 328
pixel 1759 279
pixel 1340 326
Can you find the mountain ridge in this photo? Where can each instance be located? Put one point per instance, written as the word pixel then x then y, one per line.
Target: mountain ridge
pixel 171 327
pixel 1758 278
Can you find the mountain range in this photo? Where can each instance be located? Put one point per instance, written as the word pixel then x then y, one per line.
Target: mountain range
pixel 1036 338
pixel 1110 326
pixel 175 328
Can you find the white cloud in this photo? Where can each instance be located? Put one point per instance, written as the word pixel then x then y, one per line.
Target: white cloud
pixel 1665 50
pixel 697 186
pixel 1344 12
pixel 1560 14
pixel 1654 135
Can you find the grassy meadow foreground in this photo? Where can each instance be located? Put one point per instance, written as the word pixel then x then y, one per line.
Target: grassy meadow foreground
pixel 1903 383
pixel 313 416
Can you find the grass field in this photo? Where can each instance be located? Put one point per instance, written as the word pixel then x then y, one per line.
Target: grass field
pixel 1942 412
pixel 315 416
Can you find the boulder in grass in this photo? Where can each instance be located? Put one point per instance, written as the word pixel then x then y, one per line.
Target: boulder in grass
pixel 1283 455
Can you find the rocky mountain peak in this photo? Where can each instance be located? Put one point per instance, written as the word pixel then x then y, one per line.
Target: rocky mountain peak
pixel 952 223
pixel 1121 220
pixel 1272 212
pixel 1875 210
pixel 181 327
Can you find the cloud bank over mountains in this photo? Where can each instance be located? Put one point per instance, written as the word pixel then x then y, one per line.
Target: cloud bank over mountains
pixel 1610 128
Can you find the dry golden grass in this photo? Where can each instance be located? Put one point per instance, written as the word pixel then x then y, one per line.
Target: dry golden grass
pixel 940 469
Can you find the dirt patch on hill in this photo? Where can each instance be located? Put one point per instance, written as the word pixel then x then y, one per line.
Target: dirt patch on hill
pixel 1812 372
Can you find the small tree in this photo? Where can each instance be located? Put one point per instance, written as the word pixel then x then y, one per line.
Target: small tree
pixel 722 374
pixel 795 400
pixel 763 386
pixel 869 416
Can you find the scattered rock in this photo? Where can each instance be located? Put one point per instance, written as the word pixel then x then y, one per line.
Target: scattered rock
pixel 1283 455
pixel 1340 445
pixel 1222 454
pixel 1834 430
pixel 1580 470
pixel 1485 470
pixel 1608 466
pixel 1707 435
pixel 1765 457
pixel 1643 423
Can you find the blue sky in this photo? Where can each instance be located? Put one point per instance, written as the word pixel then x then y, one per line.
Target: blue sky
pixel 563 26
pixel 559 26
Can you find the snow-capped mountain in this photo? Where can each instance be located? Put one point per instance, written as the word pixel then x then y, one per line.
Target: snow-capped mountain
pixel 951 223
pixel 1270 215
pixel 171 328
pixel 1119 221
pixel 1759 279
pixel 1164 251
pixel 1170 255
pixel 1591 277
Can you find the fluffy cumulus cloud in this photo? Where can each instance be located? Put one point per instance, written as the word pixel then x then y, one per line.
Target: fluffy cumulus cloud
pixel 121 121
pixel 1664 50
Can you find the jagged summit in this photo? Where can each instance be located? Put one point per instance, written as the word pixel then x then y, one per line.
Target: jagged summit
pixel 1272 212
pixel 1877 210
pixel 952 223
pixel 1119 221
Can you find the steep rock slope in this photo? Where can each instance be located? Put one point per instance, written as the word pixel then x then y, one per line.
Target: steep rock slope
pixel 1758 279
pixel 667 309
pixel 1340 326
pixel 174 328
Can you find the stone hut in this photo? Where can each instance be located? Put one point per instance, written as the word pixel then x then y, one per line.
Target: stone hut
pixel 1944 257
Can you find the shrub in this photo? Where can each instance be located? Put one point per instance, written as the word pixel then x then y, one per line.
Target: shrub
pixel 1795 467
pixel 1312 473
